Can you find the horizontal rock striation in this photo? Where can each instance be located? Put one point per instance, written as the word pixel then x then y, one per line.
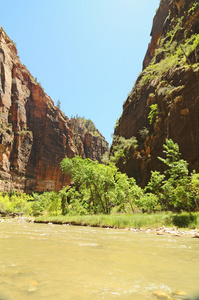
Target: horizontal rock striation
pixel 35 135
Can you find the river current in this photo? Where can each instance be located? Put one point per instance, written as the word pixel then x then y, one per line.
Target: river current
pixel 39 261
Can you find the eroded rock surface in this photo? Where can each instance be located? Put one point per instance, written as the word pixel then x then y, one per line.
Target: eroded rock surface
pixel 170 81
pixel 35 135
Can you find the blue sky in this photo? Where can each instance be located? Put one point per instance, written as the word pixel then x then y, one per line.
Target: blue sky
pixel 86 53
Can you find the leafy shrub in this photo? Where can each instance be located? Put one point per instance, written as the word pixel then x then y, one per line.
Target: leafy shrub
pixel 5 204
pixel 105 158
pixel 47 202
pixel 155 183
pixel 121 147
pixel 18 203
pixel 21 204
pixel 153 113
pixel 148 203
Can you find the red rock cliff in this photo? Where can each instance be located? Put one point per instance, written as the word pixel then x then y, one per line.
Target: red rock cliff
pixel 34 134
pixel 170 83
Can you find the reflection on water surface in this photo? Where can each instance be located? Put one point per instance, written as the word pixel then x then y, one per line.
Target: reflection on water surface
pixel 64 262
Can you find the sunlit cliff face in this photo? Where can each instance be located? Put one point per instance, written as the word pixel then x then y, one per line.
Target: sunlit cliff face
pixel 167 88
pixel 34 134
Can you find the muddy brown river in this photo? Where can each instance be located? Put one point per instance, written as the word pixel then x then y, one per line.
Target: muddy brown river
pixel 39 261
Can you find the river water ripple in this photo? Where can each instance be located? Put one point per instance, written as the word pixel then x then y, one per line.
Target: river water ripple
pixel 67 262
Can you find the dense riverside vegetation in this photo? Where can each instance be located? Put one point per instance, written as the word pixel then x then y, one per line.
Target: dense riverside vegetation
pixel 99 189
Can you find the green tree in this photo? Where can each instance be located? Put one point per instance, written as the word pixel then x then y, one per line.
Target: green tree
pixel 90 175
pixel 148 203
pixel 176 187
pixel 194 185
pixel 155 183
pixel 127 193
pixel 54 205
pixel 99 188
pixel 64 200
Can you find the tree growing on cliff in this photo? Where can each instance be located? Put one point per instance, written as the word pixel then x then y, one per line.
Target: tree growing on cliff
pixel 58 104
pixel 153 113
pixel 121 148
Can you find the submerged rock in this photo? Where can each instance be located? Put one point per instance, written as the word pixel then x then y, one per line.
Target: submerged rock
pixel 176 295
pixel 161 295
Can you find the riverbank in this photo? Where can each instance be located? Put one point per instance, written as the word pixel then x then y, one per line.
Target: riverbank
pixel 177 225
pixel 183 224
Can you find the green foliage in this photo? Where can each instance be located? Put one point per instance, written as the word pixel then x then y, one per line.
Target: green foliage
pixel 175 189
pixel 177 168
pixel 192 9
pixel 121 148
pixel 37 204
pixel 47 202
pixel 64 202
pixel 194 186
pixel 16 203
pixel 155 183
pixel 148 203
pixel 116 124
pixel 127 192
pixel 54 204
pixel 99 188
pixel 105 158
pixel 114 220
pixel 170 53
pixel 103 189
pixel 83 125
pixel 153 113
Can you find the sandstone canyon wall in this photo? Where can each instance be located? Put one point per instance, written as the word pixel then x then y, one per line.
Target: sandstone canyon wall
pixel 34 134
pixel 167 90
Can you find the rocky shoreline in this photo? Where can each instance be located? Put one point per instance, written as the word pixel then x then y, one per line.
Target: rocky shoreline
pixel 174 231
pixel 16 219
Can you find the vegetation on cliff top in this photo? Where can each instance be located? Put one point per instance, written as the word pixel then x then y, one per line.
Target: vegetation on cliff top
pixel 82 126
pixel 177 47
